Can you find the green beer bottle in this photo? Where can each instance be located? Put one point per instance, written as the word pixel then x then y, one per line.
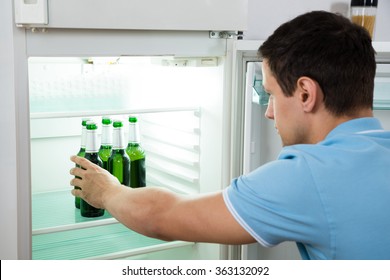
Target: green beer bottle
pixel 92 154
pixel 119 162
pixel 106 143
pixel 81 152
pixel 136 154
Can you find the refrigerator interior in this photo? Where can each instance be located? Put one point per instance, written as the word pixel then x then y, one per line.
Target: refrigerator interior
pixel 179 105
pixel 262 143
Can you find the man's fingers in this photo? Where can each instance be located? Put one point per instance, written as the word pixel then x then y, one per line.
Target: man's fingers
pixel 77 182
pixel 76 192
pixel 84 163
pixel 76 171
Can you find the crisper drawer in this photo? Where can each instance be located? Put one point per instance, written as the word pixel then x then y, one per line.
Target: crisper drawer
pixel 59 232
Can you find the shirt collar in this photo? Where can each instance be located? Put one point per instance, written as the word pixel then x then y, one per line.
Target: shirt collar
pixel 359 125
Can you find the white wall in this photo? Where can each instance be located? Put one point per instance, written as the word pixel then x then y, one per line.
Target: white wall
pixel 266 16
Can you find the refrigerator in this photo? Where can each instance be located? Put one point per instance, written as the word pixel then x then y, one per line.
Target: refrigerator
pixel 182 67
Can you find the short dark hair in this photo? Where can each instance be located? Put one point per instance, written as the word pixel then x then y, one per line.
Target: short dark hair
pixel 331 50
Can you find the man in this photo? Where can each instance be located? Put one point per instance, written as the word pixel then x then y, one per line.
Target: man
pixel 329 190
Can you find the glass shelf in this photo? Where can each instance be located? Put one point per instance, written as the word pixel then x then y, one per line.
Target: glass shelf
pixel 55 211
pixel 60 232
pixel 88 242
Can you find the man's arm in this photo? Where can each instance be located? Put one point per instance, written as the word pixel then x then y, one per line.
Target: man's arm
pixel 157 212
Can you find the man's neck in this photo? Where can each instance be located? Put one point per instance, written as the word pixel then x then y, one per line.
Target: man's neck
pixel 324 124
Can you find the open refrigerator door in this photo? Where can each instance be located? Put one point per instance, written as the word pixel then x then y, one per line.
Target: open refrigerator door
pixel 172 71
pixel 256 141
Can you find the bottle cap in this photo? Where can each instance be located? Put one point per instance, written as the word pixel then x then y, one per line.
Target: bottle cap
pixel 84 121
pixel 106 120
pixel 91 125
pixel 118 123
pixel 132 119
pixel 364 3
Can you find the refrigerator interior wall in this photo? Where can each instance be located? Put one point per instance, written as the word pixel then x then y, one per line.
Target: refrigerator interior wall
pixel 179 105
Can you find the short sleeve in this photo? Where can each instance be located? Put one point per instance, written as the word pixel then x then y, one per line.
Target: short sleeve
pixel 278 202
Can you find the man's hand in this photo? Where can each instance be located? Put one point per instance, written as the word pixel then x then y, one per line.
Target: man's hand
pixel 93 182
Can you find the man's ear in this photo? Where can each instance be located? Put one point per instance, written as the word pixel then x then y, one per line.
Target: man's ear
pixel 308 93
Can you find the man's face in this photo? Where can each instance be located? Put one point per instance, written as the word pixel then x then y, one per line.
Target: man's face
pixel 285 111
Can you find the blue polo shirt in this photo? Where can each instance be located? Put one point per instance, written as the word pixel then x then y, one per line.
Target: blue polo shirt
pixel 332 198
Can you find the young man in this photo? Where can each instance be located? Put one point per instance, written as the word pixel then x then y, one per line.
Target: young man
pixel 329 190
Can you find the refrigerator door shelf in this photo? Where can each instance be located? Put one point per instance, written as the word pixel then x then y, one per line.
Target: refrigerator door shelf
pixel 260 96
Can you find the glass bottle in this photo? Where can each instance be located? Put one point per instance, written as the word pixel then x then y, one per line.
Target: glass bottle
pixel 81 152
pixel 136 154
pixel 363 13
pixel 92 154
pixel 106 141
pixel 119 162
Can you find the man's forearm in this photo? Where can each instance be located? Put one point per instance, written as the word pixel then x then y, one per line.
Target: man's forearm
pixel 144 210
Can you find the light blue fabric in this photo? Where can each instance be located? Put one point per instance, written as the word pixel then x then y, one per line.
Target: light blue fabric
pixel 332 198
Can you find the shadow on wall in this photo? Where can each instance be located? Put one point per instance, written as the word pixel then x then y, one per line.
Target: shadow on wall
pixel 340 8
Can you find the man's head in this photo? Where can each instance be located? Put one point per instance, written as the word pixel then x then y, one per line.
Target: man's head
pixel 329 49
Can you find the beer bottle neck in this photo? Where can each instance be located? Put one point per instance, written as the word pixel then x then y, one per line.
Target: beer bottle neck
pixel 134 136
pixel 83 137
pixel 92 145
pixel 119 139
pixel 106 135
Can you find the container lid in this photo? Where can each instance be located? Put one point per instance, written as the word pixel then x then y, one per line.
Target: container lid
pixel 364 3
